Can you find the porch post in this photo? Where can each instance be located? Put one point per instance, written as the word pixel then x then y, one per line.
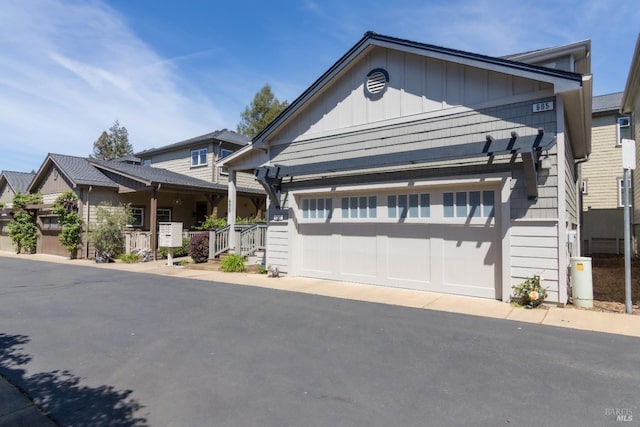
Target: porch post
pixel 231 210
pixel 152 222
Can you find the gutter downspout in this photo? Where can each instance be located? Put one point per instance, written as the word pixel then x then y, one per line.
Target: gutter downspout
pixel 86 230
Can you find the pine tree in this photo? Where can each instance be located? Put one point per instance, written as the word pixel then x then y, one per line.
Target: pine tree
pixel 113 144
pixel 263 109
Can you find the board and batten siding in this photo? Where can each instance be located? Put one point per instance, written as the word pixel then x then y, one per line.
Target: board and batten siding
pixel 571 187
pixel 417 85
pixel 6 195
pixel 534 251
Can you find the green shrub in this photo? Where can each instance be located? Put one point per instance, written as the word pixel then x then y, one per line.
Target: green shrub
pixel 530 293
pixel 177 252
pixel 108 233
pixel 23 230
pixel 232 264
pixel 129 258
pixel 261 269
pixel 213 222
pixel 199 247
pixel 66 207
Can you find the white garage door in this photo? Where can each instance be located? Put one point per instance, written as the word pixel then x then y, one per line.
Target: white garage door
pixel 443 240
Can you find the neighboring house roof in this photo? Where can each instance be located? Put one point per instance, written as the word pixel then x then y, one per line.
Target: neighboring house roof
pixel 606 103
pixel 129 158
pixel 17 181
pixel 77 170
pixel 223 135
pixel 578 50
pixel 151 176
pixel 562 80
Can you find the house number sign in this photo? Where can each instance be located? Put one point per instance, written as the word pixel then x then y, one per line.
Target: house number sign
pixel 542 106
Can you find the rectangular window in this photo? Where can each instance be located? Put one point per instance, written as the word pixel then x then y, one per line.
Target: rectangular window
pixel 316 208
pixel 488 201
pixel 359 207
pixel 224 153
pixel 461 204
pixel 163 215
pixel 402 205
pixel 474 204
pixel 447 202
pixel 391 206
pixel 621 193
pixel 199 157
pixel 413 206
pixel 425 206
pixel 624 129
pixel 373 201
pixel 584 188
pixel 137 217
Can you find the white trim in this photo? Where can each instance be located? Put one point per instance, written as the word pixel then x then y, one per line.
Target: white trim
pixel 563 262
pixel 505 231
pixel 206 157
pixel 491 178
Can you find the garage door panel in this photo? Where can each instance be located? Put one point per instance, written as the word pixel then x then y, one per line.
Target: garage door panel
pixel 408 254
pixel 358 255
pixel 317 247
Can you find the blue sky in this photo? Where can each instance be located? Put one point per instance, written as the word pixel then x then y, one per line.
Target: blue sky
pixel 170 70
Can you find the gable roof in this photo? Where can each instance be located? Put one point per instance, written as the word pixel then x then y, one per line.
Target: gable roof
pixel 223 135
pixel 17 181
pixel 606 103
pixel 77 170
pixel 562 80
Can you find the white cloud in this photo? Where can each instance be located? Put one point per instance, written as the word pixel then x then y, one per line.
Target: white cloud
pixel 69 69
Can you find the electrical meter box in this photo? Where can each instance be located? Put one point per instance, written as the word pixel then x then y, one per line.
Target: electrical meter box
pixel 170 234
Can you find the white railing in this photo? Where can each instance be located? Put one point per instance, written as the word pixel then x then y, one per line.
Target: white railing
pixel 136 240
pixel 218 241
pixel 251 238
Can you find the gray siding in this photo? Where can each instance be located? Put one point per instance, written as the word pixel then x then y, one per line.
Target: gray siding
pixel 534 251
pixel 571 191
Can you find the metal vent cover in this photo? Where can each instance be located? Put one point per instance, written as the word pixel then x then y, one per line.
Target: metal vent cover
pixel 377 83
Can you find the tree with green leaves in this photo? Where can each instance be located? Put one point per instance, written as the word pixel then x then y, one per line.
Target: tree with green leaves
pixel 263 109
pixel 108 233
pixel 66 207
pixel 23 230
pixel 113 144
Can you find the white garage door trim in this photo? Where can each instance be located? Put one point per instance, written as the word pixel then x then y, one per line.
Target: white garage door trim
pixel 370 250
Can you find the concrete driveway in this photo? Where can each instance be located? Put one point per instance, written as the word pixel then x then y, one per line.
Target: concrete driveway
pixel 101 347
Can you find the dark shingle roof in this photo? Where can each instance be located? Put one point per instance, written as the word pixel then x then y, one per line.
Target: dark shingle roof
pixel 223 135
pixel 153 175
pixel 18 181
pixel 81 171
pixel 609 102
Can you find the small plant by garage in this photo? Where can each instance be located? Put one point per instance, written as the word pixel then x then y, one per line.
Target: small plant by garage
pixel 530 293
pixel 232 264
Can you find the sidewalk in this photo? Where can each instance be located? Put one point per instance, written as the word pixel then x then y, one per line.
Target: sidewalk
pixel 17 410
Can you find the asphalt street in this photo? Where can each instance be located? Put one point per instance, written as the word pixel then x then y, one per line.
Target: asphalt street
pixel 101 347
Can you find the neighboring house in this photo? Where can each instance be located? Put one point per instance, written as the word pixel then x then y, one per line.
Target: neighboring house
pixel 416 166
pixel 196 157
pixel 601 179
pixel 630 106
pixel 154 194
pixel 11 183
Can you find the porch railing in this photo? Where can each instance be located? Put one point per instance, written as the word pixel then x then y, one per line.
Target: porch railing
pixel 134 240
pixel 218 241
pixel 251 238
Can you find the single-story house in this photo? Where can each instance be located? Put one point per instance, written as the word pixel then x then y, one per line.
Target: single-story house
pixel 417 166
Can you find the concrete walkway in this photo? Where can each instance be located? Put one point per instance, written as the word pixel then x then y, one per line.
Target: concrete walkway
pixel 16 409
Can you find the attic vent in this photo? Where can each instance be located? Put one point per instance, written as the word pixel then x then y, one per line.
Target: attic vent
pixel 377 82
